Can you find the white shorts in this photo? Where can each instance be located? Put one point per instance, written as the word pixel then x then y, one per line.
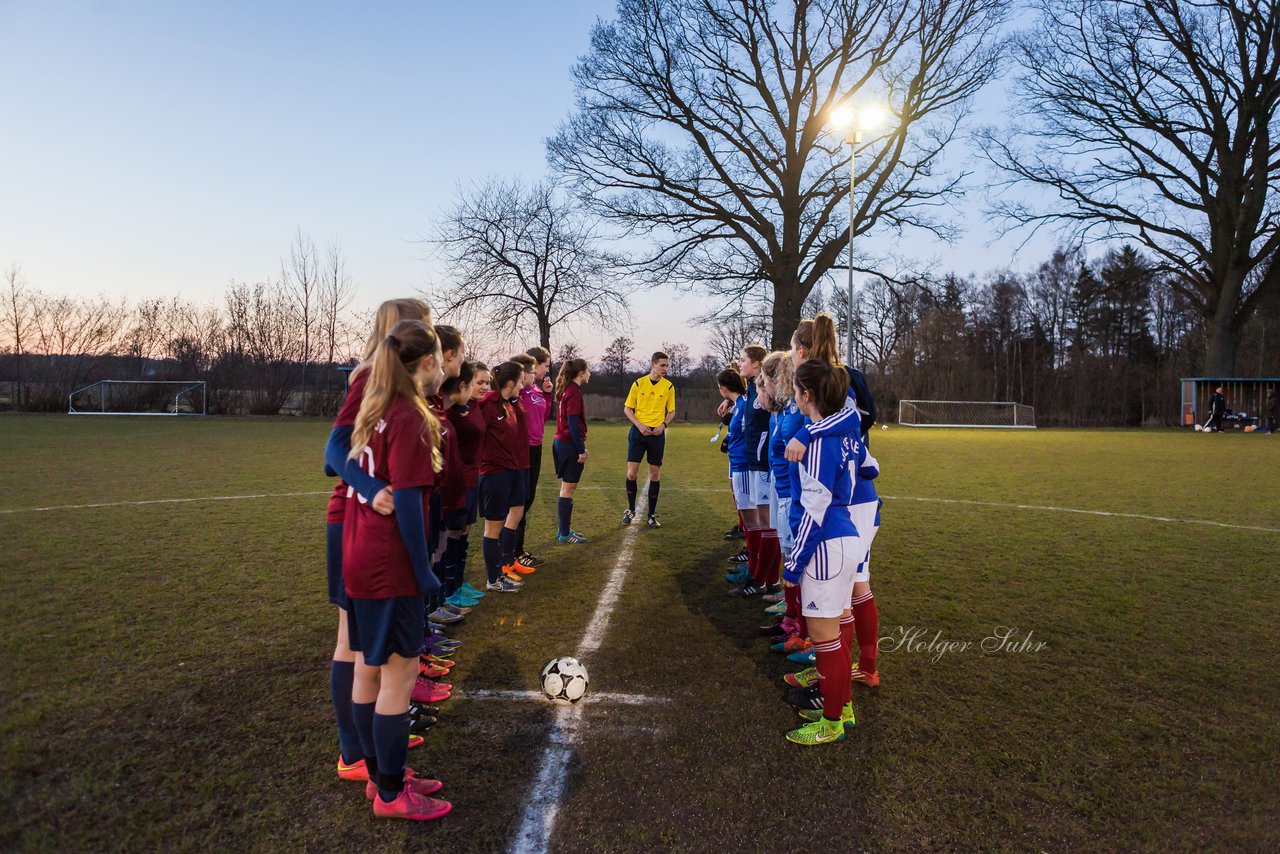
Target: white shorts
pixel 781 521
pixel 827 584
pixel 761 486
pixel 741 481
pixel 867 519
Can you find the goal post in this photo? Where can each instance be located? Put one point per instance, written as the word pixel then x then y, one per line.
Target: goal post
pixel 966 413
pixel 139 397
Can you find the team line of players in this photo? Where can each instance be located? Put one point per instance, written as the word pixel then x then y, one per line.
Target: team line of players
pixel 428 444
pixel 803 485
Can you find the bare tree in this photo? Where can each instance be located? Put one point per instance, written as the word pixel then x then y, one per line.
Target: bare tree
pixel 617 356
pixel 300 277
pixel 336 295
pixel 263 333
pixel 706 126
pixel 1158 121
pixel 568 350
pixel 679 360
pixel 16 316
pixel 525 258
pixel 730 335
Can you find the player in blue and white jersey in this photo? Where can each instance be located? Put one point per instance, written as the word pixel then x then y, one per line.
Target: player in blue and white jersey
pixel 827 549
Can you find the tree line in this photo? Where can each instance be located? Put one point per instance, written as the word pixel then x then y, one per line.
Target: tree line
pixel 266 346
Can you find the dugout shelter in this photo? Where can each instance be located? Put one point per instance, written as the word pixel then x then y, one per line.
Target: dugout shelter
pixel 1244 394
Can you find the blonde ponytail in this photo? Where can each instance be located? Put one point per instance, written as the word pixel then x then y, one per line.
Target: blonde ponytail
pixel 818 336
pixel 388 315
pixel 392 365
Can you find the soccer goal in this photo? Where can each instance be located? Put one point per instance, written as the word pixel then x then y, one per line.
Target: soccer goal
pixel 966 413
pixel 139 397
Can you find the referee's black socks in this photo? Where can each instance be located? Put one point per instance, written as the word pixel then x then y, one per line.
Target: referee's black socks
pixel 631 494
pixel 653 496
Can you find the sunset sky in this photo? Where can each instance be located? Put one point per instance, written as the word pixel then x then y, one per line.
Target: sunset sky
pixel 160 148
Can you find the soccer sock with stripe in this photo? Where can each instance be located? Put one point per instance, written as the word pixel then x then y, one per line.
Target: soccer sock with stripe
pixel 492 548
pixel 631 494
pixel 362 715
pixel 508 540
pixel 653 496
pixel 391 735
pixel 833 667
pixel 564 510
pixel 341 676
pixel 866 626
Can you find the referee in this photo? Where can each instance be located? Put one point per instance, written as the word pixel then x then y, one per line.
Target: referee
pixel 650 406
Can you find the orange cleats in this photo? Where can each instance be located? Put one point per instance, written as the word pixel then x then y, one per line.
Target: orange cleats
pixel 411 806
pixel 417 785
pixel 438 660
pixel 359 772
pixel 521 569
pixel 795 643
pixel 354 771
pixel 871 679
pixel 431 670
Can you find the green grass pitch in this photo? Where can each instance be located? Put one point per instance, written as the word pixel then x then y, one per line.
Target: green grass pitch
pixel 165 680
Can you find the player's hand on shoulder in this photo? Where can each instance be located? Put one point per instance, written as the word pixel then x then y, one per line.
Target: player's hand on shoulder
pixel 384 502
pixel 795 451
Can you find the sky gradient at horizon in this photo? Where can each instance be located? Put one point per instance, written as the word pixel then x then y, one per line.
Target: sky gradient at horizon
pixel 155 149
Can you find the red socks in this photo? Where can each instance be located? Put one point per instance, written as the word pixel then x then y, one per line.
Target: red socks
pixel 791 595
pixel 846 636
pixel 753 553
pixel 833 666
pixel 770 556
pixel 867 627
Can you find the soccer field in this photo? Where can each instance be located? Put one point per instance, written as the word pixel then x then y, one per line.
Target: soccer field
pixel 166 639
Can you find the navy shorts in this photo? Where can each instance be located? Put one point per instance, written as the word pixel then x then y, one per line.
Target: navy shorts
pixel 457 520
pixel 499 492
pixel 380 627
pixel 638 447
pixel 333 564
pixel 565 455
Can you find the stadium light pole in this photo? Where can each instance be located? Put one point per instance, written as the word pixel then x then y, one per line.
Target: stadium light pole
pixel 853 120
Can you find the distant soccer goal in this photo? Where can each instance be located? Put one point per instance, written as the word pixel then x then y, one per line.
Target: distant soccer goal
pixel 966 413
pixel 139 397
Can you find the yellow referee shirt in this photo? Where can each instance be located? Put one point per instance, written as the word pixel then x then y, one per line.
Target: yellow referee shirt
pixel 651 401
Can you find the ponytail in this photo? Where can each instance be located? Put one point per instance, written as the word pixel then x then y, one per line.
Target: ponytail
pixel 388 315
pixel 569 371
pixel 507 372
pixel 777 367
pixel 818 336
pixel 395 360
pixel 828 384
pixel 450 338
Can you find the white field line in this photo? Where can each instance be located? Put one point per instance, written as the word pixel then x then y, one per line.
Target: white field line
pixel 594 697
pixel 1044 508
pixel 254 497
pixel 539 819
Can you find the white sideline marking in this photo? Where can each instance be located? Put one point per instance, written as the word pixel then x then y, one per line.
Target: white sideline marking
pixel 1047 508
pixel 1052 509
pixel 160 501
pixel 596 697
pixel 539 819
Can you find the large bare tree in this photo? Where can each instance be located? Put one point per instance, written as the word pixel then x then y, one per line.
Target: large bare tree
pixel 525 258
pixel 706 125
pixel 1158 121
pixel 16 315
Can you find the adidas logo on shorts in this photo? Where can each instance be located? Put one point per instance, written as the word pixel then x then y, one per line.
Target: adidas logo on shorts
pixel 812 606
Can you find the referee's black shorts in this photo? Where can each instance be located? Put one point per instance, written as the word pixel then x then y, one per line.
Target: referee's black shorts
pixel 640 446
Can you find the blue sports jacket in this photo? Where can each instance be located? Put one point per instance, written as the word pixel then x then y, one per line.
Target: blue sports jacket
pixel 738 456
pixel 782 427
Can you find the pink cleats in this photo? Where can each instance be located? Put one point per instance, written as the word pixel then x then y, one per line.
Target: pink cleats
pixel 427 692
pixel 412 806
pixel 417 785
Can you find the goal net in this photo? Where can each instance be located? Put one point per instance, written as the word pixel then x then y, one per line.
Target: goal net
pixel 964 413
pixel 139 397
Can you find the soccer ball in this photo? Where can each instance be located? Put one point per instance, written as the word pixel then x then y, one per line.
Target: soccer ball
pixel 884 426
pixel 1199 428
pixel 564 680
